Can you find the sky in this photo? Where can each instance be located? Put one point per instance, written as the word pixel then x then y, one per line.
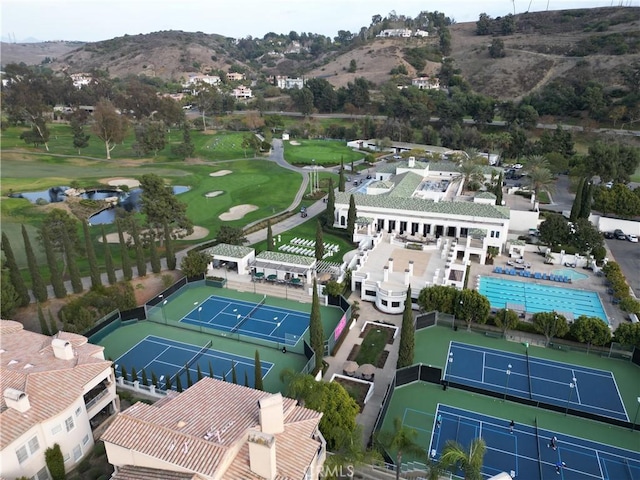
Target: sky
pixel 94 20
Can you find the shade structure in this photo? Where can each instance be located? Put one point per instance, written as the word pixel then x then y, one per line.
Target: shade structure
pixel 350 367
pixel 367 369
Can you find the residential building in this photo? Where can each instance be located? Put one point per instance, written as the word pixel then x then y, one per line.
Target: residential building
pixel 395 32
pixel 287 83
pixel 195 79
pixel 216 430
pixel 421 33
pixel 242 92
pixel 426 83
pixel 235 76
pixel 81 79
pixel 54 390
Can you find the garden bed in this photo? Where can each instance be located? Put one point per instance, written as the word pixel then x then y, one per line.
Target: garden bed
pixel 390 331
pixel 359 390
pixel 371 350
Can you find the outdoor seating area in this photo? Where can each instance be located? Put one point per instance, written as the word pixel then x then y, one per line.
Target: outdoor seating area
pixel 307 248
pixel 273 278
pixel 523 272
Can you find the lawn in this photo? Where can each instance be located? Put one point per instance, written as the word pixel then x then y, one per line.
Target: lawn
pixel 372 347
pixel 324 152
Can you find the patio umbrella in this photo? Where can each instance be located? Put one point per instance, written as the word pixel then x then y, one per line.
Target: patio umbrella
pixel 350 367
pixel 367 369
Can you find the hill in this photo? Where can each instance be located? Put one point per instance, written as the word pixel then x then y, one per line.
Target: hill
pixel 540 47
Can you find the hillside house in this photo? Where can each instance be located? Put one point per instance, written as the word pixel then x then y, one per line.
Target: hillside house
pixel 81 79
pixel 395 32
pixel 287 83
pixel 235 76
pixel 426 83
pixel 242 92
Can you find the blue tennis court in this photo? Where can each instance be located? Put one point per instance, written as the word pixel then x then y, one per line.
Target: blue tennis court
pixel 565 385
pixel 166 357
pixel 267 322
pixel 525 453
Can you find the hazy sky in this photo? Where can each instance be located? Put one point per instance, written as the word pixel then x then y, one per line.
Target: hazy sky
pixel 93 20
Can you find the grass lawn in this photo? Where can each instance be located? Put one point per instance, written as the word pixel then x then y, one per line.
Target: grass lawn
pixel 324 152
pixel 372 346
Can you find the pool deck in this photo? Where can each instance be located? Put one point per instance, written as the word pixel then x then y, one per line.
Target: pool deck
pixel 591 283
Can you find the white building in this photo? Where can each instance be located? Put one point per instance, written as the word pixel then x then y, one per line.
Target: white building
pixel 235 76
pixel 81 79
pixel 395 32
pixel 55 390
pixel 216 430
pixel 287 83
pixel 195 79
pixel 426 83
pixel 242 92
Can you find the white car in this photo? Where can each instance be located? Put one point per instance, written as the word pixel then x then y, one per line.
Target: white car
pixel 632 238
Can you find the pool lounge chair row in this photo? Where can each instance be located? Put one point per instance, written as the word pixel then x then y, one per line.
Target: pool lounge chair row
pixel 536 275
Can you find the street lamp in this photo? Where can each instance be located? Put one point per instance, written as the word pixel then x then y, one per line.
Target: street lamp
pixel 633 426
pixel 506 385
pixel 572 385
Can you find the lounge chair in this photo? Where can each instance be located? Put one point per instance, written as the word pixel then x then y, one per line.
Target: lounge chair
pixel 537 275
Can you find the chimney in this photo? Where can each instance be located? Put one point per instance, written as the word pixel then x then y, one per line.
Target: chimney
pixel 17 399
pixel 62 349
pixel 391 264
pixel 411 163
pixel 262 454
pixel 271 414
pixel 385 274
pixel 407 276
pixel 411 267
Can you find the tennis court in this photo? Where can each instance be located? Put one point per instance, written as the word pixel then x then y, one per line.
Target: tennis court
pixel 167 359
pixel 266 322
pixel 571 386
pixel 525 453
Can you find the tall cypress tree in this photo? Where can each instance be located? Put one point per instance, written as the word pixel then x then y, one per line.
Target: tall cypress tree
pixel 407 334
pixel 38 286
pixel 14 273
pixel 141 263
pixel 269 237
pixel 108 259
pixel 94 271
pixel 153 254
pixel 154 379
pixel 179 384
pixel 246 379
pixel 57 282
pixel 199 373
pixel 211 370
pixel 315 328
pixel 145 380
pixel 134 374
pixel 341 179
pixel 499 189
pixel 330 212
pixel 44 328
pixel 585 206
pixel 167 383
pixel 351 217
pixel 74 273
pixel 257 372
pixel 234 375
pixel 189 381
pixel 53 325
pixel 319 241
pixel 124 254
pixel 168 246
pixel 577 202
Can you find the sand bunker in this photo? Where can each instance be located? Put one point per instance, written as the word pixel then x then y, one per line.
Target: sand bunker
pixel 294 143
pixel 221 173
pixel 213 194
pixel 198 233
pixel 115 182
pixel 237 212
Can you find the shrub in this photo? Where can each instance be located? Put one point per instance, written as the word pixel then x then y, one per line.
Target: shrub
pixel 55 462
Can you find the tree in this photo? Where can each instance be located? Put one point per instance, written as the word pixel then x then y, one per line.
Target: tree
pixel 402 440
pixel 141 262
pixel 319 247
pixel 234 375
pixel 211 375
pixel 108 259
pixel 144 380
pixel 179 388
pixel 628 334
pixel 124 253
pixel 541 179
pixel 587 199
pixel 9 298
pixel 550 324
pixel 555 230
pixel 14 273
pixel 195 263
pixel 506 320
pixel 577 201
pixel 186 148
pixel 351 217
pixel 246 379
pixel 44 328
pixel 96 281
pixel 438 297
pixel 585 236
pixel 58 224
pixel 53 326
pixel 471 173
pixel 257 372
pixel 250 141
pixel 156 267
pixel 38 135
pixel 231 235
pixel 455 456
pixel 151 136
pixel 270 245
pixel 168 247
pixel 199 373
pixel 55 462
pixel 134 374
pixel 188 372
pixel 167 383
pixel 303 100
pixel 108 125
pixel 471 306
pixel 330 212
pixel 590 330
pixel 315 328
pixel 74 273
pixel 496 49
pixel 353 66
pixel 208 100
pixel 161 205
pixel 407 334
pixel 80 138
pixel 341 179
pixel 38 287
pixel 57 282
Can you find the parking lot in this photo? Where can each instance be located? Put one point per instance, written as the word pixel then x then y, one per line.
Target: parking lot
pixel 627 254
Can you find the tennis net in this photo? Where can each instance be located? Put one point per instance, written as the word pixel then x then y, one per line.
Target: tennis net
pixel 535 423
pixel 191 361
pixel 248 316
pixel 529 374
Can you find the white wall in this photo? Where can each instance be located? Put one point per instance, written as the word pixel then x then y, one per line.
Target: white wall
pixel 522 221
pixel 607 224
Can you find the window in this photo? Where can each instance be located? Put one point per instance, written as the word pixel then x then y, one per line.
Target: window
pixel 42 474
pixel 78 411
pixel 66 457
pixel 384 302
pixel 370 293
pixel 28 449
pixel 69 424
pixel 56 430
pixel 395 304
pixel 85 440
pixel 498 234
pixel 77 453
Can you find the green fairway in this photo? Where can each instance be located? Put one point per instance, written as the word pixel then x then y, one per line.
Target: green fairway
pixel 324 152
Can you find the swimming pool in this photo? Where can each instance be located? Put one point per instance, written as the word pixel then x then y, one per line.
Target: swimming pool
pixel 572 274
pixel 537 297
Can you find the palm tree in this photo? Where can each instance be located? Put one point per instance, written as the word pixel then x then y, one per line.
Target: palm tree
pixel 401 440
pixel 535 161
pixel 469 461
pixel 541 179
pixel 470 171
pixel 351 453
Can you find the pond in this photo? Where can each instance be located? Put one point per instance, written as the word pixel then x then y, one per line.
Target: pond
pixel 129 201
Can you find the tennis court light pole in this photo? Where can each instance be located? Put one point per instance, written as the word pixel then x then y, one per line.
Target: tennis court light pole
pixel 572 385
pixel 506 385
pixel 633 426
pixel 200 314
pixel 164 315
pixel 450 363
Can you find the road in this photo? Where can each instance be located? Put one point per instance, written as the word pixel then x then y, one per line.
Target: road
pixel 627 255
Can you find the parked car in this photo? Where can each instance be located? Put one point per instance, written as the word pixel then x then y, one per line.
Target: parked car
pixel 632 238
pixel 619 234
pixel 609 235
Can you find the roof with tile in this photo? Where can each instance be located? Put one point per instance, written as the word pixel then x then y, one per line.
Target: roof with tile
pixel 28 364
pixel 228 250
pixel 200 428
pixel 130 472
pixel 286 257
